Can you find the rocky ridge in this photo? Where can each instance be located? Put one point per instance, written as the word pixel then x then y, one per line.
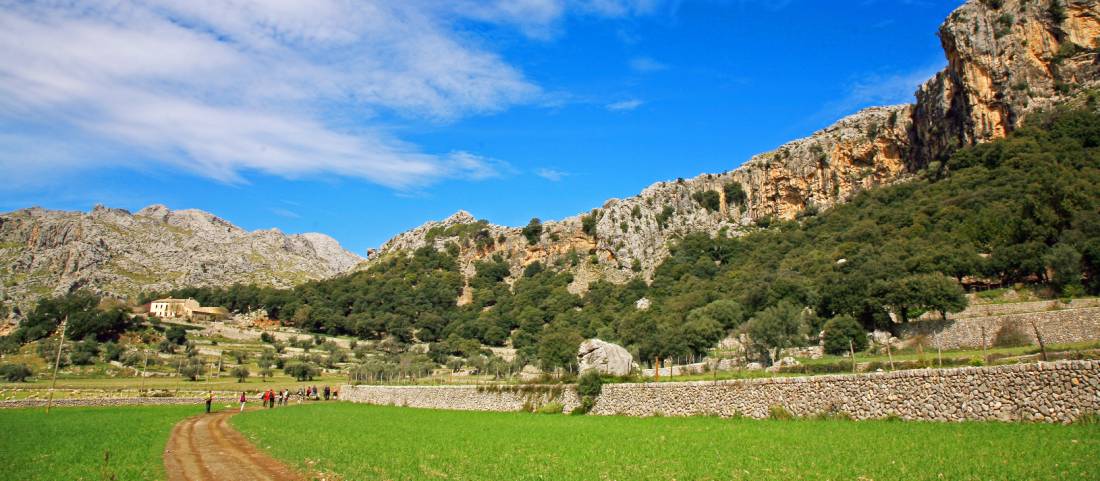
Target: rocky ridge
pixel 1005 59
pixel 116 253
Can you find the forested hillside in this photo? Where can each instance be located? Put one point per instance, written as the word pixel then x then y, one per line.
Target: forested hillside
pixel 1018 210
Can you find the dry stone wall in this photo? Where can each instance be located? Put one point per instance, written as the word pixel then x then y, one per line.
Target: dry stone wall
pixel 1043 392
pixel 466 398
pixel 1061 326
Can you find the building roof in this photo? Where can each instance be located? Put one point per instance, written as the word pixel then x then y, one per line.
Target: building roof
pixel 210 310
pixel 168 299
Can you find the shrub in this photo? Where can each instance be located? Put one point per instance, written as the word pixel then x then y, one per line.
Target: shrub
pixel 533 231
pixel 709 199
pixel 176 335
pixel 590 384
pixel 241 373
pixel 735 194
pixel 15 372
pixel 1011 334
pixel 551 408
pixel 841 330
pixel 302 371
pixel 779 413
pixel 267 337
pixel 588 225
pixel 664 216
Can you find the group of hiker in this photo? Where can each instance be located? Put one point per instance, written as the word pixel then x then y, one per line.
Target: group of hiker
pixel 282 397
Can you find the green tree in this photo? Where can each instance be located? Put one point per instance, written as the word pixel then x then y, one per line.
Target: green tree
pixel 558 345
pixel 176 335
pixel 775 328
pixel 241 373
pixel 1065 261
pixel 841 330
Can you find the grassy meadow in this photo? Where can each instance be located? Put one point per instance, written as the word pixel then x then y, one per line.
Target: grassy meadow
pixel 363 442
pixel 74 443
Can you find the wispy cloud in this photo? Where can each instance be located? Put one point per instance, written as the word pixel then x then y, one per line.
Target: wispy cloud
pixel 646 65
pixel 553 175
pixel 225 89
pixel 623 105
pixel 286 213
pixel 881 89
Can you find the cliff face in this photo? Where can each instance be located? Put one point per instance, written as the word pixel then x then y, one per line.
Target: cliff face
pixel 114 252
pixel 1002 64
pixel 1005 60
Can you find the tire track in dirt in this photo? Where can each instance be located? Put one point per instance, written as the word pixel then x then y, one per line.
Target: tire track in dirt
pixel 206 448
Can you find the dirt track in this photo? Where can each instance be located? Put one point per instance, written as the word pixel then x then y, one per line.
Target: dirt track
pixel 206 448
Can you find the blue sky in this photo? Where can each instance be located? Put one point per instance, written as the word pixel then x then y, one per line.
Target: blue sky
pixel 362 119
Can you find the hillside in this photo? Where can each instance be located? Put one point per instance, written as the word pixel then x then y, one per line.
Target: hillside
pixel 111 251
pixel 1019 210
pixel 1006 59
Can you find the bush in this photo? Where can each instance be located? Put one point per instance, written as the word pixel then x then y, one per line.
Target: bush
pixel 779 413
pixel 533 231
pixel 241 373
pixel 302 371
pixel 267 337
pixel 176 335
pixel 551 408
pixel 839 331
pixel 15 372
pixel 590 385
pixel 709 199
pixel 1011 334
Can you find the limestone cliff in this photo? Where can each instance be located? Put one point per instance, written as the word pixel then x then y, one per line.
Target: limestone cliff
pixel 114 252
pixel 1005 59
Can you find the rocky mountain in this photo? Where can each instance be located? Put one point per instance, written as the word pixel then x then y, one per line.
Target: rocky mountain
pixel 1005 60
pixel 114 252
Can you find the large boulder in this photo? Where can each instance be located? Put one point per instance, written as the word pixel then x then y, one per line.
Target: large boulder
pixel 604 357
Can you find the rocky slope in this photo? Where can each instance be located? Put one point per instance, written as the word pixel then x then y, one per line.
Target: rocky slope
pixel 1006 59
pixel 112 251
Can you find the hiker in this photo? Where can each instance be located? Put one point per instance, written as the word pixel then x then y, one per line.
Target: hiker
pixel 267 398
pixel 336 393
pixel 271 398
pixel 301 394
pixel 244 399
pixel 314 396
pixel 209 399
pixel 327 393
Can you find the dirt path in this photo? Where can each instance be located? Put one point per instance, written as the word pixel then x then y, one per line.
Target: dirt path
pixel 206 448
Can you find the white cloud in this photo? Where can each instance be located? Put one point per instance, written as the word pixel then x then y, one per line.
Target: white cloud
pixel 646 65
pixel 552 175
pixel 221 89
pixel 623 105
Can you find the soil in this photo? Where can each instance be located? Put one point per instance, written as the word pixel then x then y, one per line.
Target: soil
pixel 205 447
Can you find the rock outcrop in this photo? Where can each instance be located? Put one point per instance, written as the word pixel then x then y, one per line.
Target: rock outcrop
pixel 1005 59
pixel 604 357
pixel 116 253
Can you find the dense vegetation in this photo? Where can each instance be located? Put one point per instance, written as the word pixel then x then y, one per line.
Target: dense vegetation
pixel 379 442
pixel 1019 210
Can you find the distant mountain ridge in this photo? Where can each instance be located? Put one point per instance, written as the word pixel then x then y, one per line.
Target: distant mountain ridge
pixel 1006 59
pixel 111 251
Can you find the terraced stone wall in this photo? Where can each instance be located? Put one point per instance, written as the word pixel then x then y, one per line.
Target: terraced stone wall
pixel 1045 392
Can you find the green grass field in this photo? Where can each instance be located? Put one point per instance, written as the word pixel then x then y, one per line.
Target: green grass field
pixel 365 442
pixel 71 443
